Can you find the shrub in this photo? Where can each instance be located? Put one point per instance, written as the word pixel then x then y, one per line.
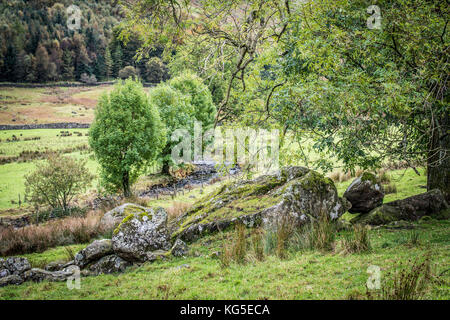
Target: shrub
pixel 126 135
pixel 176 113
pixel 88 79
pixel 57 181
pixel 128 72
pixel 181 101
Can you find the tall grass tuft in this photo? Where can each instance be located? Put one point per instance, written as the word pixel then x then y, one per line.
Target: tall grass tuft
pixel 236 249
pixel 358 241
pixel 409 282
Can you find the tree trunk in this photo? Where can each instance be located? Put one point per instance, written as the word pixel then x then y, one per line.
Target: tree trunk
pixel 126 184
pixel 438 167
pixel 165 168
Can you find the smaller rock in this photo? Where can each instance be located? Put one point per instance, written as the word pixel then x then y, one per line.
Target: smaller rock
pixel 11 279
pixel 38 275
pixel 179 248
pixel 4 273
pixel 54 266
pixel 109 264
pixel 364 193
pixel 17 265
pixel 114 217
pixel 183 266
pixel 93 252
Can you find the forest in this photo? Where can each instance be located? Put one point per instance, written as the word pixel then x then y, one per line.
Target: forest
pixel 37 45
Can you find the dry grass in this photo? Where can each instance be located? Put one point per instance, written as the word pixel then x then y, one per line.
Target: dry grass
pixel 177 209
pixel 357 242
pixel 37 238
pixel 236 249
pixel 409 282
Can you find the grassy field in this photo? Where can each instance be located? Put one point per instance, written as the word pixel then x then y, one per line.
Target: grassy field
pixel 49 105
pixel 12 181
pixel 302 275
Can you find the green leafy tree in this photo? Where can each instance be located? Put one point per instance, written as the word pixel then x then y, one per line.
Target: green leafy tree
pixel 199 97
pixel 176 112
pixel 57 181
pixel 370 95
pixel 126 135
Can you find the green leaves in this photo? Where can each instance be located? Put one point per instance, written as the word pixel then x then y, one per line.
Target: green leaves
pixel 127 134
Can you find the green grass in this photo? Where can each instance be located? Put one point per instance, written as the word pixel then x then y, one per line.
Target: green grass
pixel 303 275
pixel 49 140
pixel 12 174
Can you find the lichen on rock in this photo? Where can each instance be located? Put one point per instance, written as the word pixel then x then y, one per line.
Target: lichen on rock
pixel 297 192
pixel 141 233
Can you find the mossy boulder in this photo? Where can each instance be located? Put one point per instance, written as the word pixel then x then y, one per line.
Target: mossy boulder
pixel 430 203
pixel 141 234
pixel 365 193
pixel 295 192
pixel 114 217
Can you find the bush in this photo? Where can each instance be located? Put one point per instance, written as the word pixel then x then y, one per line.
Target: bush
pixel 57 181
pixel 181 101
pixel 128 72
pixel 127 135
pixel 176 113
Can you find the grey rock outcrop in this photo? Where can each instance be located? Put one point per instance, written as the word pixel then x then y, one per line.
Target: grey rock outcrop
pixel 295 193
pixel 179 248
pixel 140 234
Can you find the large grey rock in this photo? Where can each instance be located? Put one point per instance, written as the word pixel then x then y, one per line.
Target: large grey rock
pixel 364 193
pixel 10 280
pixel 93 252
pixel 431 204
pixel 17 265
pixel 114 217
pixel 140 234
pixel 109 264
pixel 294 194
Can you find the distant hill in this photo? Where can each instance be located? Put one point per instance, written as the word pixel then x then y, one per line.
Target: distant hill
pixel 37 45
